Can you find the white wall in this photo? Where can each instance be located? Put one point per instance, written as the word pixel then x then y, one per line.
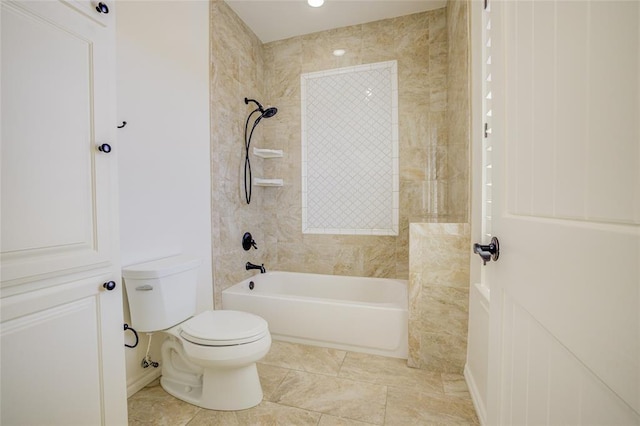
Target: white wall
pixel 164 150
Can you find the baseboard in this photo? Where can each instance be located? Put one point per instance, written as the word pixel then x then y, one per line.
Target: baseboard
pixel 481 410
pixel 142 381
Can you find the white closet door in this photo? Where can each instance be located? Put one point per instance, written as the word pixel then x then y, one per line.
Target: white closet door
pixel 57 108
pixel 62 356
pixel 61 331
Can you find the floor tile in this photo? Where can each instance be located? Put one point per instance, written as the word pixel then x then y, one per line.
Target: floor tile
pixel 328 420
pixel 312 359
pixel 270 378
pixel 153 406
pixel 389 371
pixel 331 395
pixel 306 385
pixel 406 406
pixel 267 413
pixel 215 418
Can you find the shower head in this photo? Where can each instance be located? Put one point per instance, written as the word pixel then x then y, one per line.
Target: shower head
pixel 269 112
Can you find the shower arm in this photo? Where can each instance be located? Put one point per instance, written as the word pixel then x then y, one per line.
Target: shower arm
pixel 258 104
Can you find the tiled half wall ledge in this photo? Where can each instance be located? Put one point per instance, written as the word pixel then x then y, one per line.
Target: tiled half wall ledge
pixel 438 295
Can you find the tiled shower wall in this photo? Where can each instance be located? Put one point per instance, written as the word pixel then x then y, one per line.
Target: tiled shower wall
pixel 458 112
pixel 433 155
pixel 237 64
pixel 440 252
pixel 419 43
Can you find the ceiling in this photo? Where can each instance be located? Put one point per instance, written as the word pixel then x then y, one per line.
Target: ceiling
pixel 274 20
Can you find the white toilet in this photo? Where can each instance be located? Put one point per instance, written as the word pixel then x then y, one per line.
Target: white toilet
pixel 208 360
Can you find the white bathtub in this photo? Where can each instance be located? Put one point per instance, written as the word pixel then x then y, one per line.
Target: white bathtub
pixel 350 313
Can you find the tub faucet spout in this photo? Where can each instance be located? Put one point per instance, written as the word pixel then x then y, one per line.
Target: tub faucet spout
pixel 250 265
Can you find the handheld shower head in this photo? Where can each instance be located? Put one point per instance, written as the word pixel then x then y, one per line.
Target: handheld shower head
pixel 264 113
pixel 269 112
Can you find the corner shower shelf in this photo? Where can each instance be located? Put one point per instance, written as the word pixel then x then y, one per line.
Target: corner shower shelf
pixel 268 153
pixel 267 182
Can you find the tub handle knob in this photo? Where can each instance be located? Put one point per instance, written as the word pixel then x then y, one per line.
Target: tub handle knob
pixel 488 252
pixel 248 242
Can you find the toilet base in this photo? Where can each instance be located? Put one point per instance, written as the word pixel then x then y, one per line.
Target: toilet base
pixel 224 386
pixel 224 390
pixel 236 389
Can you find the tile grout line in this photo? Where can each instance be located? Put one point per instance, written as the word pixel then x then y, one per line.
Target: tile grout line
pixel 193 417
pixel 386 401
pixel 275 391
pixel 344 358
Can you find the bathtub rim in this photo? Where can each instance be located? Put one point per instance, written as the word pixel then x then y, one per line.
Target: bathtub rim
pixel 401 303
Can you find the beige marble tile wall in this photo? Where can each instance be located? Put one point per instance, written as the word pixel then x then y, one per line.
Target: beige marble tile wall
pixel 419 43
pixel 237 64
pixel 439 259
pixel 458 111
pixel 439 296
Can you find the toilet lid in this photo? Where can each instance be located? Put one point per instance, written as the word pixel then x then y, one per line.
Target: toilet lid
pixel 224 328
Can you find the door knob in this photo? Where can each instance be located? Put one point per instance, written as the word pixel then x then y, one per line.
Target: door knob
pixel 488 252
pixel 102 8
pixel 105 147
pixel 109 285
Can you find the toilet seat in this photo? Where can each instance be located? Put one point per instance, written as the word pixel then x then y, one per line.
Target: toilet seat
pixel 224 328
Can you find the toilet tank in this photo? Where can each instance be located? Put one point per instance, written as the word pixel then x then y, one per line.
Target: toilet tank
pixel 161 293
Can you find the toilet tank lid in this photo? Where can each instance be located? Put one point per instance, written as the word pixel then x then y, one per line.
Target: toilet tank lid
pixel 161 267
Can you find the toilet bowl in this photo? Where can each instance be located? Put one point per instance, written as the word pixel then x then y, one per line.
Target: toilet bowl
pixel 209 359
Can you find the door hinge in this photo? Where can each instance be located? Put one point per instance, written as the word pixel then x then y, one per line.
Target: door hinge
pixel 487 130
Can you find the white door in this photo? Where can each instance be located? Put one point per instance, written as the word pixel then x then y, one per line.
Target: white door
pixel 61 335
pixel 565 204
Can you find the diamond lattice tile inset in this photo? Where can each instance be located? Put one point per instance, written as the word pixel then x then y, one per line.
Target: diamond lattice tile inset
pixel 349 118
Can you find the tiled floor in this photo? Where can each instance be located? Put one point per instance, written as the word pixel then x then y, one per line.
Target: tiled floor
pixel 306 385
